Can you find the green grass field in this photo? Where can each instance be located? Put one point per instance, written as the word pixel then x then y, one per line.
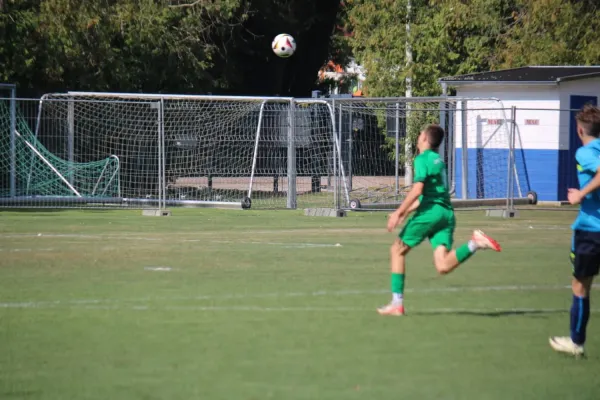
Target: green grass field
pixel 264 305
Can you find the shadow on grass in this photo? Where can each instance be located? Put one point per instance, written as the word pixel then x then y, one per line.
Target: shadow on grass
pixel 493 313
pixel 52 210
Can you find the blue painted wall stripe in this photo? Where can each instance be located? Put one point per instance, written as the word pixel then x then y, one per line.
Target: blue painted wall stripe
pixel 537 170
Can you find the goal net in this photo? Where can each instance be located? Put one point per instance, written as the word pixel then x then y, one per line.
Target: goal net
pixel 130 150
pixel 44 177
pixel 266 153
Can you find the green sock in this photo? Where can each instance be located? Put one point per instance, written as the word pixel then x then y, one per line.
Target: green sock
pixel 397 286
pixel 463 253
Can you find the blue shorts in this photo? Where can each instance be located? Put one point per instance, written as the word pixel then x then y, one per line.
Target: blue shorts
pixel 585 254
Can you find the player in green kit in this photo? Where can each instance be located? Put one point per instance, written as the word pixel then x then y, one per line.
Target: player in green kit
pixel 433 219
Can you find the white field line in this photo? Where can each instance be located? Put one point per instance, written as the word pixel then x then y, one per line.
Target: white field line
pixel 79 236
pixel 117 302
pixel 310 230
pixel 180 235
pixel 242 241
pixel 415 311
pixel 285 245
pixel 25 250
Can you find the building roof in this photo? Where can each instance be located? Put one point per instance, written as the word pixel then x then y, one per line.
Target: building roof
pixel 546 75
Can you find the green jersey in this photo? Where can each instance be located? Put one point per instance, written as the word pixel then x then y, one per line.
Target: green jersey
pixel 431 170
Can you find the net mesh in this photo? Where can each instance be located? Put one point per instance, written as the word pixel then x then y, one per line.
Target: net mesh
pixel 228 150
pixel 374 136
pixel 41 172
pixel 192 150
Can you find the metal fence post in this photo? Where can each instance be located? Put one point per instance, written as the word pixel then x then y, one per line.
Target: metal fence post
pixel 451 148
pixel 511 159
pixel 341 155
pixel 397 164
pixel 71 138
pixel 350 148
pixel 291 156
pixel 158 106
pixel 465 151
pixel 444 143
pixel 163 155
pixel 13 141
pixel 334 158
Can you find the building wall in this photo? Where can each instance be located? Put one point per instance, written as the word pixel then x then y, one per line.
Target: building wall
pixel 568 140
pixel 488 133
pixel 588 87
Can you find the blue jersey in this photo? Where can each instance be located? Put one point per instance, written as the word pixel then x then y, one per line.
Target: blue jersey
pixel 588 163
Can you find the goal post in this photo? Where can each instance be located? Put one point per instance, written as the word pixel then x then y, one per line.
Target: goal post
pixel 8 91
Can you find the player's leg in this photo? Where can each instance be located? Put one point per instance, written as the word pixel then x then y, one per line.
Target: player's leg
pixel 445 259
pixel 580 309
pixel 585 256
pixel 413 233
pixel 398 252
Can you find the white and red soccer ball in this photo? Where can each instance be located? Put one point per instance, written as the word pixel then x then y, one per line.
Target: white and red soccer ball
pixel 283 45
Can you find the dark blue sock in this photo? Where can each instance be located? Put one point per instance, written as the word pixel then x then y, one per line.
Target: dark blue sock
pixel 580 313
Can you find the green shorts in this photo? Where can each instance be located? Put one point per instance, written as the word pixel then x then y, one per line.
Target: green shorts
pixel 434 223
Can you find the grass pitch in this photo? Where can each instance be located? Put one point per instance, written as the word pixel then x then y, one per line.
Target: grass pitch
pixel 211 304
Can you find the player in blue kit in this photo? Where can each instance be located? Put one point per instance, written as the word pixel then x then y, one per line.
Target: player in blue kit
pixel 585 248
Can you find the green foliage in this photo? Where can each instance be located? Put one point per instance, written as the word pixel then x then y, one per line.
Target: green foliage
pixel 200 46
pixel 378 43
pixel 130 45
pixel 552 32
pixel 418 117
pixel 340 48
pixel 447 37
pixel 141 45
pixel 176 46
pixel 452 37
pixel 23 50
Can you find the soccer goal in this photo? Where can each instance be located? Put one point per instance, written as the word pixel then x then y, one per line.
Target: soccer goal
pixel 154 151
pixel 39 176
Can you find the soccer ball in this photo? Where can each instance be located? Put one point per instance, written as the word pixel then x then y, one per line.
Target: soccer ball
pixel 284 45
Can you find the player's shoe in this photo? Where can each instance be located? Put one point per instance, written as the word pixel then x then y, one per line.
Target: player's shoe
pixel 391 309
pixel 483 241
pixel 564 344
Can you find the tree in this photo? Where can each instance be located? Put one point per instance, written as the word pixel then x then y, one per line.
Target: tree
pixel 551 32
pixel 140 45
pixel 448 37
pixel 378 43
pixel 109 45
pixel 23 50
pixel 178 46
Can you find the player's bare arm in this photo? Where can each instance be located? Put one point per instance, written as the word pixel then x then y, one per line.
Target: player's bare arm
pixel 410 203
pixel 402 218
pixel 575 196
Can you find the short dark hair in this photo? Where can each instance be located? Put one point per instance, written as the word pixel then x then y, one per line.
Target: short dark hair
pixel 589 120
pixel 435 135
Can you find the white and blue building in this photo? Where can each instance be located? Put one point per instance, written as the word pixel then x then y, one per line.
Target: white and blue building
pixel 546 100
